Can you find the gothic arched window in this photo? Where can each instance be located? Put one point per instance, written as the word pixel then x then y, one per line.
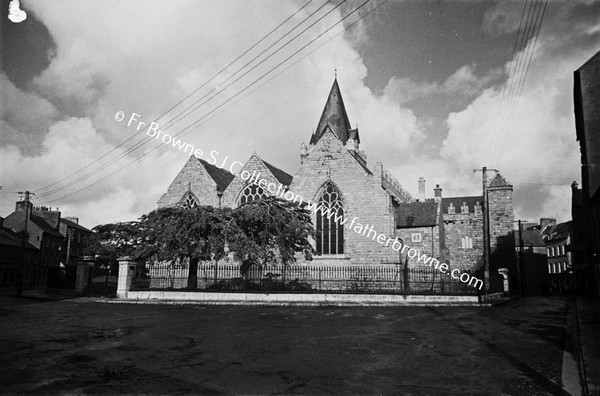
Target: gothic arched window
pixel 252 192
pixel 330 233
pixel 189 201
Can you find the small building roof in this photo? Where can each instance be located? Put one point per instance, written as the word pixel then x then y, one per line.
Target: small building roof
pixel 531 237
pixel 16 222
pixel 10 238
pixel 416 214
pixel 72 224
pixel 499 181
pixel 557 232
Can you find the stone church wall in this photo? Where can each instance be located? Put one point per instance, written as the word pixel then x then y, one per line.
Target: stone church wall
pixel 362 195
pixel 195 176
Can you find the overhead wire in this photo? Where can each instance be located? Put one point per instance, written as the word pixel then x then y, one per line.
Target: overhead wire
pixel 146 141
pixel 188 128
pixel 190 94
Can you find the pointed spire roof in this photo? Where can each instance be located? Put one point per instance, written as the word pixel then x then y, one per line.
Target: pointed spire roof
pixel 335 116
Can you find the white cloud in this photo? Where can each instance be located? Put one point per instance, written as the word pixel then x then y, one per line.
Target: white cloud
pixel 140 56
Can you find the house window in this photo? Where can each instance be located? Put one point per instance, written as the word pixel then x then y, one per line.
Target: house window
pixel 467 242
pixel 330 234
pixel 252 192
pixel 416 237
pixel 451 208
pixel 549 268
pixel 464 208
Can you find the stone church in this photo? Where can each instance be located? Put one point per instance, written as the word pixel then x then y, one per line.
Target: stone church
pixel 334 173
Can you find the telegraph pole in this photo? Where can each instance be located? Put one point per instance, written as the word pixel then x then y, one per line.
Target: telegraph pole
pixel 26 195
pixel 520 268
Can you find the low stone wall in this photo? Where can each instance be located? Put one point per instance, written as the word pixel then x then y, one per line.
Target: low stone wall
pixel 215 298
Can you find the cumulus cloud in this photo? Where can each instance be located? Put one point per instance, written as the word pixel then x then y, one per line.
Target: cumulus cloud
pixel 24 116
pixel 142 57
pixel 536 148
pixel 464 82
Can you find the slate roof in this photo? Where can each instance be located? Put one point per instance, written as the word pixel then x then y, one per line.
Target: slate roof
pixel 416 214
pixel 221 176
pixel 10 238
pixel 499 181
pixel 458 202
pixel 557 232
pixel 530 238
pixel 72 224
pixel 281 176
pixel 334 114
pixel 16 222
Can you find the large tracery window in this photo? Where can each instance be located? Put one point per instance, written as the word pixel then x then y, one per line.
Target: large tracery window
pixel 252 193
pixel 330 233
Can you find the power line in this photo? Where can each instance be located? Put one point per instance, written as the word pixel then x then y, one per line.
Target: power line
pixel 522 83
pixel 510 68
pixel 517 70
pixel 183 131
pixel 145 141
pixel 191 93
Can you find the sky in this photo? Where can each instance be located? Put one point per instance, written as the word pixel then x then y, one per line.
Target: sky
pixel 432 86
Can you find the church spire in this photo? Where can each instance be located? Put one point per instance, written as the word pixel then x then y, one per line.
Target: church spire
pixel 335 116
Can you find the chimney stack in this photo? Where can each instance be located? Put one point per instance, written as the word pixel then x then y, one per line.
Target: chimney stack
pixel 437 192
pixel 422 189
pixel 21 206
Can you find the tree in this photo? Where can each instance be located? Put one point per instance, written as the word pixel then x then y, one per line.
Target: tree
pixel 177 233
pixel 113 240
pixel 269 229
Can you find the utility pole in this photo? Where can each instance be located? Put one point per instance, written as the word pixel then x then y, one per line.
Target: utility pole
pixel 26 195
pixel 486 233
pixel 69 239
pixel 520 268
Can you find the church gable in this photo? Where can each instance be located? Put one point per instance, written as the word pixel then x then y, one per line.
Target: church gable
pixel 245 185
pixel 193 178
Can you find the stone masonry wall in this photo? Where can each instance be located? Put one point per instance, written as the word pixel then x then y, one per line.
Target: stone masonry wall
pixel 429 245
pixel 502 241
pixel 202 185
pixel 362 195
pixel 460 225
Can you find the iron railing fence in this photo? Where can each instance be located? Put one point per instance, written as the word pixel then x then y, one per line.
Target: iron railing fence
pixel 299 278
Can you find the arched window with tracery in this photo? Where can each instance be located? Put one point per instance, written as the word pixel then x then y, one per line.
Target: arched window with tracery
pixel 189 201
pixel 330 233
pixel 252 192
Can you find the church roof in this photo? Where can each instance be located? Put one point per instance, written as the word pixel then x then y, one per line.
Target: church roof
pixel 334 114
pixel 220 176
pixel 282 176
pixel 416 214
